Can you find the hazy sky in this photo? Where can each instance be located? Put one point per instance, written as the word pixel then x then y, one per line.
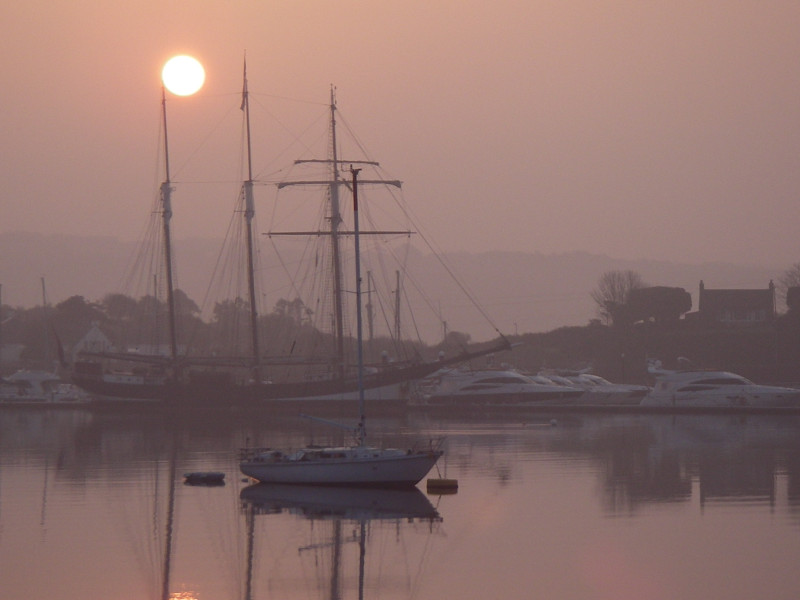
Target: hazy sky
pixel 666 130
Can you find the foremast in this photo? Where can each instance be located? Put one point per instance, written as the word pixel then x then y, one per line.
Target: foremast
pixel 166 216
pixel 249 215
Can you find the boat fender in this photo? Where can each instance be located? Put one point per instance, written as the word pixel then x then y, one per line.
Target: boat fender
pixel 442 486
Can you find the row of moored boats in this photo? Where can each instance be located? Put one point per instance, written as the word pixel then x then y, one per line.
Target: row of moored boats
pixel 499 388
pixel 673 389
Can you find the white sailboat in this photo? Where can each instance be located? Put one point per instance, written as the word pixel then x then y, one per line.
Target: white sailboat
pixel 359 464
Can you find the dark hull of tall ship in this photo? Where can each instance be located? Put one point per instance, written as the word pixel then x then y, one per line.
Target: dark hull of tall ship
pixel 218 390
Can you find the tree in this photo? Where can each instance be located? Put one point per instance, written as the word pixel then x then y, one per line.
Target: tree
pixel 185 305
pixel 77 308
pixel 660 303
pixel 294 310
pixel 613 290
pixel 789 279
pixel 119 307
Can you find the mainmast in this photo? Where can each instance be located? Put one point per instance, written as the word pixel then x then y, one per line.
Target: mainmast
pixel 335 232
pixel 166 208
pixel 249 214
pixel 336 220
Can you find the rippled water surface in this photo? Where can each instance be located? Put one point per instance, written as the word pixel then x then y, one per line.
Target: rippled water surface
pixel 568 506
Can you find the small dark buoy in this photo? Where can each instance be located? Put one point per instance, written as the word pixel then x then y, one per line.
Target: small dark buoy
pixel 204 478
pixel 443 486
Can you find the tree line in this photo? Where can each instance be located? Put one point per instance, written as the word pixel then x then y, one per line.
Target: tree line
pixel 49 333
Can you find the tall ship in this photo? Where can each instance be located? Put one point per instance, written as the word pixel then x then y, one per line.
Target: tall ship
pixel 304 373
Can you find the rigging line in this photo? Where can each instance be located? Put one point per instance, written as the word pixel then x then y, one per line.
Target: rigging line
pixel 201 145
pixel 461 285
pixel 297 139
pixel 400 348
pixel 408 275
pixel 413 317
pixel 220 261
pixel 298 100
pixel 285 268
pixel 350 131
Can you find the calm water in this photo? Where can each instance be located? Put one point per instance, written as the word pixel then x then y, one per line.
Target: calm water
pixel 580 507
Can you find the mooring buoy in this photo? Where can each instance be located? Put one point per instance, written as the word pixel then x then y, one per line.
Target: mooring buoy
pixel 443 486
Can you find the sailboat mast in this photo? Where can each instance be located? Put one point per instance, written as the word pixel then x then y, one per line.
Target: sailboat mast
pixel 362 433
pixel 397 309
pixel 336 220
pixel 166 208
pixel 249 214
pixel 44 322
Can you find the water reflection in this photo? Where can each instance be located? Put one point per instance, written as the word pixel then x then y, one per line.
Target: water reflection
pixel 90 494
pixel 369 510
pixel 656 459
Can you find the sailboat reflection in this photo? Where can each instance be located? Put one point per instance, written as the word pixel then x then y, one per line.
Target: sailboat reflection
pixel 364 507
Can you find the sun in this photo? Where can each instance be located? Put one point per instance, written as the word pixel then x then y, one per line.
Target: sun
pixel 183 75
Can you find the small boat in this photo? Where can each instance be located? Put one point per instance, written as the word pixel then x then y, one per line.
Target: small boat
pixel 358 465
pixel 717 389
pixel 492 388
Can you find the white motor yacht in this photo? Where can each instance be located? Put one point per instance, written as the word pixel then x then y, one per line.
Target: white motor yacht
pixel 717 389
pixel 598 391
pixel 492 388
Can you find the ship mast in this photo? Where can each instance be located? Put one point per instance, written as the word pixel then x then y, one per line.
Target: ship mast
pixel 335 232
pixel 336 220
pixel 166 212
pixel 362 433
pixel 249 214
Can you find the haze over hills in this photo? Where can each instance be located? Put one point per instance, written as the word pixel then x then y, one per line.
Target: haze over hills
pixel 521 292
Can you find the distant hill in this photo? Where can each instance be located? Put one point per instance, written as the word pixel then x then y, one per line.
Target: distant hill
pixel 521 292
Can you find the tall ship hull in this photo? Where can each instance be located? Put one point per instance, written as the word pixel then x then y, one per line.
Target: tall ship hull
pixel 389 386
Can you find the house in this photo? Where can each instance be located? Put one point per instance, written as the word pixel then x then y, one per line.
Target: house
pixel 736 307
pixel 94 341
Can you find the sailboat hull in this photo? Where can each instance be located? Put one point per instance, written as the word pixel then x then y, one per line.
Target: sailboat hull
pixel 351 466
